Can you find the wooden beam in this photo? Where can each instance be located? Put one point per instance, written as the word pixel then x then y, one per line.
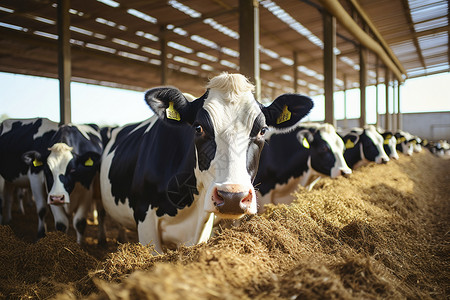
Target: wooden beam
pixel 64 60
pixel 329 65
pixel 249 43
pixel 336 9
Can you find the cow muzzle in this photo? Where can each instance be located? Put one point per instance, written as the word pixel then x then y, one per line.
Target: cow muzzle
pixel 233 200
pixel 57 199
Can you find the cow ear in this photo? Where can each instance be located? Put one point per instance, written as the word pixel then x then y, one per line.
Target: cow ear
pixel 172 106
pixel 287 110
pixel 89 159
pixel 305 137
pixel 350 141
pixel 32 159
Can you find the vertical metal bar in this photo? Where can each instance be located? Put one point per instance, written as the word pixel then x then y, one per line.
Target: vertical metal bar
pixel 345 102
pixel 399 115
pixel 64 60
pixel 249 43
pixel 362 85
pixel 329 64
pixel 163 55
pixel 376 93
pixel 294 54
pixel 387 123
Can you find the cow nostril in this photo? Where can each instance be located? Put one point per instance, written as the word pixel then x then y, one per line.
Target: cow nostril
pixel 247 200
pixel 344 174
pixel 218 199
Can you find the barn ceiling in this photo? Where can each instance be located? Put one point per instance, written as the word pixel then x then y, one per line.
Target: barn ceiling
pixel 118 43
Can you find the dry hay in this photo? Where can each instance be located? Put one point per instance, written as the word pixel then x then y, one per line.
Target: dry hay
pixel 381 233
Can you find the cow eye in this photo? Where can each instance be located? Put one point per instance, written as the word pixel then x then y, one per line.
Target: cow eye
pixel 263 131
pixel 199 129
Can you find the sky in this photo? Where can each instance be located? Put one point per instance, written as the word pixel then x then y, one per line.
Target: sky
pixel 23 96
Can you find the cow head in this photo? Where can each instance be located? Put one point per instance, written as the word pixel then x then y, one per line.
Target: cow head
pixel 229 127
pixel 326 149
pixel 74 157
pixel 404 144
pixel 389 144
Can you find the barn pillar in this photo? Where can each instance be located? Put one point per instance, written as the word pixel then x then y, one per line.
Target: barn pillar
pixel 295 71
pixel 249 43
pixel 399 115
pixel 387 117
pixel 329 64
pixel 163 58
pixel 345 102
pixel 362 85
pixel 394 108
pixel 376 93
pixel 64 61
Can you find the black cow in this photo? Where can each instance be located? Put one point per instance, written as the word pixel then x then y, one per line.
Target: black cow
pixel 363 146
pixel 18 136
pixel 170 174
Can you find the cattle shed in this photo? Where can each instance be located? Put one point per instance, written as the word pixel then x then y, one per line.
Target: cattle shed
pixel 311 47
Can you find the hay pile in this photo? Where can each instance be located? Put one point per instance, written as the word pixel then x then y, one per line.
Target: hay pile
pixel 381 233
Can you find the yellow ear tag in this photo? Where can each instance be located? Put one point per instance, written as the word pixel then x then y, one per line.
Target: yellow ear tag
pixel 349 144
pixel 37 163
pixel 171 113
pixel 305 143
pixel 386 141
pixel 414 142
pixel 89 162
pixel 400 140
pixel 284 116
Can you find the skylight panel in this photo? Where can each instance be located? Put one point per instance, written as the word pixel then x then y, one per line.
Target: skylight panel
pixel 184 9
pixel 76 42
pixel 339 82
pixel 302 82
pixel 188 71
pixel 106 22
pixel 287 61
pixel 81 30
pixel 265 67
pixel 142 15
pixel 11 26
pixel 205 42
pixel 180 31
pixel 287 77
pixel 132 56
pixel 155 62
pixel 186 61
pixel 147 35
pixel 5 9
pixel 76 12
pixel 46 34
pixel 229 52
pixel 151 50
pixel 110 3
pixel 207 56
pixel 44 20
pixel 207 67
pixel 221 28
pixel 125 43
pixel 229 64
pixel 179 47
pixel 100 48
pixel 100 36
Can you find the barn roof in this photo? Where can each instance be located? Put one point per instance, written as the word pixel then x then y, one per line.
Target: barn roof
pixel 118 43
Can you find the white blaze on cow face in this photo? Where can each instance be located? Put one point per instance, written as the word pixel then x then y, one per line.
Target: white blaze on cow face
pixel 392 144
pixel 232 115
pixel 337 146
pixel 57 162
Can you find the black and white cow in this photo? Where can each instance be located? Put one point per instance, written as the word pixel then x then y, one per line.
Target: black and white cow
pixel 17 137
pixel 390 144
pixel 364 145
pixel 169 175
pixel 70 169
pixel 405 142
pixel 298 157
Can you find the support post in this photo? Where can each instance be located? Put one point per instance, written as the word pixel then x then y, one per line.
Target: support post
pixel 362 85
pixel 163 55
pixel 345 102
pixel 399 115
pixel 249 43
pixel 376 93
pixel 329 63
pixel 387 123
pixel 295 71
pixel 64 60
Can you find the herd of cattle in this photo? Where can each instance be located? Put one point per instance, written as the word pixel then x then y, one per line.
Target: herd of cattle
pixel 194 162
